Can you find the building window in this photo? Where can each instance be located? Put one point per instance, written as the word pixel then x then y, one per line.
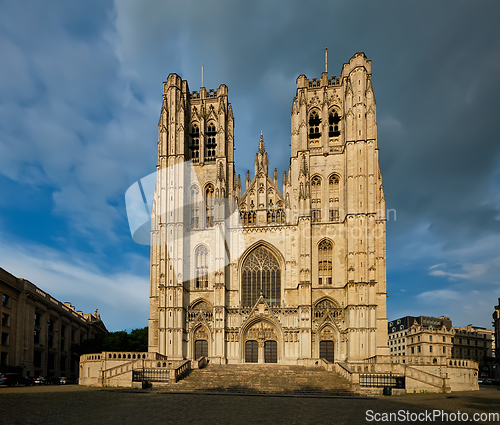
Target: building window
pixel 38 317
pixel 210 200
pixel 36 337
pixel 261 273
pixel 333 124
pixel 430 348
pixel 333 198
pixel 314 123
pixel 418 349
pixel 325 269
pixel 444 349
pixel 430 338
pixel 201 267
pixel 5 301
pixel 5 338
pixel 194 143
pixel 4 358
pixel 195 207
pixel 444 339
pixel 316 198
pixel 210 144
pixel 413 350
pixel 37 358
pixel 5 319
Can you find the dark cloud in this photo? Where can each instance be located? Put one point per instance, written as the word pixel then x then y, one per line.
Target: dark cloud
pixel 81 90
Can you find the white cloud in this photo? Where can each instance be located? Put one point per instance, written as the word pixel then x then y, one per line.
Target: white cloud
pixel 487 272
pixel 122 298
pixel 439 295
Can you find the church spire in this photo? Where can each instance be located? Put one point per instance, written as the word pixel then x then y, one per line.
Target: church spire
pixel 261 159
pixel 262 149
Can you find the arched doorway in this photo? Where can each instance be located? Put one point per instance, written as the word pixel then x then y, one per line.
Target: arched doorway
pixel 251 351
pixel 200 348
pixel 326 351
pixel 270 351
pixel 200 338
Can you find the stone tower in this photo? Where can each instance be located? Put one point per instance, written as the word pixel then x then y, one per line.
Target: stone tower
pixel 195 126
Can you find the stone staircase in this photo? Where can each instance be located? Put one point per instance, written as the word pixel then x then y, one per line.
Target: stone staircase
pixel 263 379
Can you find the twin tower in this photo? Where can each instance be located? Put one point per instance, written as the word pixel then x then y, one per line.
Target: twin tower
pixel 268 272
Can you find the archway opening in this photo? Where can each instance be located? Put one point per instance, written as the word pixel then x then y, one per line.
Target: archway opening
pixel 200 348
pixel 270 352
pixel 251 351
pixel 326 351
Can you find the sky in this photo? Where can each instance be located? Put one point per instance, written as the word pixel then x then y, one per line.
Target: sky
pixel 80 97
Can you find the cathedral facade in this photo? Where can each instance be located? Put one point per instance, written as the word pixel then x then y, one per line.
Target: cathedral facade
pixel 268 272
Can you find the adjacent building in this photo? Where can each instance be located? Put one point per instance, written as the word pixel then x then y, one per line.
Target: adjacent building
pixel 38 331
pixel 398 330
pixel 496 324
pixel 434 337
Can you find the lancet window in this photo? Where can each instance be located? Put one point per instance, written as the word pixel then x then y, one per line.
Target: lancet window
pixel 261 273
pixel 195 207
pixel 210 200
pixel 201 267
pixel 194 143
pixel 333 198
pixel 316 198
pixel 210 143
pixel 333 124
pixel 314 125
pixel 325 269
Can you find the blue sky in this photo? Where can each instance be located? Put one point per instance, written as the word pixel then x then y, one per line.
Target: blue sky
pixel 80 96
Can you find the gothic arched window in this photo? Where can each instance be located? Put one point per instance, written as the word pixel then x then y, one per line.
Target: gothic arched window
pixel 260 273
pixel 195 207
pixel 333 197
pixel 201 267
pixel 210 143
pixel 316 198
pixel 325 270
pixel 194 143
pixel 209 199
pixel 333 124
pixel 314 122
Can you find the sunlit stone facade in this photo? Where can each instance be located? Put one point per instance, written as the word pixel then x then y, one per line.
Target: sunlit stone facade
pixel 310 279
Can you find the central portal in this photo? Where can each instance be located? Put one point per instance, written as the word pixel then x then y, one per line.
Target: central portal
pixel 261 343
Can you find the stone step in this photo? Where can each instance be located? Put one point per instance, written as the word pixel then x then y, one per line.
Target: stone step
pixel 265 379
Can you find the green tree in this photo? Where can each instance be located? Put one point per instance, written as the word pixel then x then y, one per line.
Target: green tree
pixel 136 340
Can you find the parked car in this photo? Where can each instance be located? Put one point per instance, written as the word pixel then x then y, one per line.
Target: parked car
pixel 13 379
pixel 41 380
pixel 65 380
pixel 2 379
pixel 29 380
pixel 53 380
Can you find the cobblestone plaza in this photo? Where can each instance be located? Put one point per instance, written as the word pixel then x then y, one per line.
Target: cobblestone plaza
pixel 82 405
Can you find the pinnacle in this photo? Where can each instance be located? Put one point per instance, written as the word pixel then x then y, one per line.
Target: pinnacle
pixel 262 149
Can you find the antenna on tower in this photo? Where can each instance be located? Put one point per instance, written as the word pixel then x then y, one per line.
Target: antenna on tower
pixel 326 60
pixel 202 75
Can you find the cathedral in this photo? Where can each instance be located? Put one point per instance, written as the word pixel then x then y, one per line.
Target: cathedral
pixel 267 272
